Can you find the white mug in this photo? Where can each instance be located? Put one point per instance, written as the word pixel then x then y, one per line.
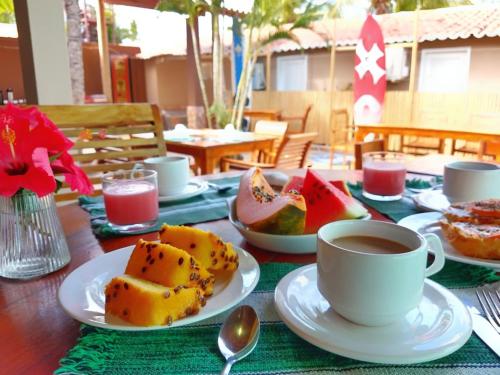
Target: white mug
pixel 374 289
pixel 173 173
pixel 471 180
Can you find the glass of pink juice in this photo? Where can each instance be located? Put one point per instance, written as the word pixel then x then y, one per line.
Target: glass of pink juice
pixel 131 199
pixel 384 175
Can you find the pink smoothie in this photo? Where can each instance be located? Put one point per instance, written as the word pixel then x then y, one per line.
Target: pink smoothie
pixel 132 202
pixel 381 178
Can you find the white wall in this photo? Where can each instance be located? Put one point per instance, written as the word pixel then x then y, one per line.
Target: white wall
pixel 50 52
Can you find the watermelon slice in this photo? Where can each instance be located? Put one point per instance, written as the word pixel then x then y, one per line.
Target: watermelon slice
pixel 342 186
pixel 326 203
pixel 296 183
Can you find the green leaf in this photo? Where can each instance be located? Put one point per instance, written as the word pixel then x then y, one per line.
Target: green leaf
pixel 59 185
pixel 55 157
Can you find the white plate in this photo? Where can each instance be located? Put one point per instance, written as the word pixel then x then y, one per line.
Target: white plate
pixel 280 243
pixel 431 200
pixel 82 292
pixel 192 189
pixel 440 325
pixel 428 223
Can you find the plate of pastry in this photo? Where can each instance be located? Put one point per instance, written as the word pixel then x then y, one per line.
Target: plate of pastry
pixel 470 232
pixel 189 276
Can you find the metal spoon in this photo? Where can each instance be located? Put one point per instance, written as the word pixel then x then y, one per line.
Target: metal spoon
pixel 220 188
pixel 238 335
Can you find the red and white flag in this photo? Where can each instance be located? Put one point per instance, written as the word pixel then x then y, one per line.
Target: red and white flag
pixel 369 74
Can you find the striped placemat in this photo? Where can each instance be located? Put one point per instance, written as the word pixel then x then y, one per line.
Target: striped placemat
pixel 193 349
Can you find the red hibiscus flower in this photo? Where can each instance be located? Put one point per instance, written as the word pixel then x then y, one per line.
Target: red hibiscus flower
pixel 27 138
pixel 73 175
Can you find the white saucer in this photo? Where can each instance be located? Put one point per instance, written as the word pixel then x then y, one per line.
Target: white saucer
pixel 431 200
pixel 82 292
pixel 440 325
pixel 192 189
pixel 279 243
pixel 428 222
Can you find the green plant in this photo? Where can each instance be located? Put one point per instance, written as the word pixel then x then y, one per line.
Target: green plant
pixel 7 11
pixel 268 21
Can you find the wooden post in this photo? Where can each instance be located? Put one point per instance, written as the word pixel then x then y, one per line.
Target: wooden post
pixel 192 83
pixel 102 41
pixel 43 52
pixel 413 67
pixel 331 88
pixel 268 71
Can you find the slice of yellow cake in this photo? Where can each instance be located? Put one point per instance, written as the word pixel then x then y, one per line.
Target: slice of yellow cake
pixel 145 303
pixel 205 246
pixel 168 266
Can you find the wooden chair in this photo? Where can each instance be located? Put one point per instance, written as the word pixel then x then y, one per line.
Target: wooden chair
pixel 277 129
pixel 103 136
pixel 341 134
pixel 302 119
pixel 361 148
pixel 292 153
pixel 263 114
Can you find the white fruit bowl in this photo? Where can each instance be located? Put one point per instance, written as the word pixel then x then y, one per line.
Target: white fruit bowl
pixel 280 243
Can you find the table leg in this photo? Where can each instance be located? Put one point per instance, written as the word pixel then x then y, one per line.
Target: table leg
pixel 207 163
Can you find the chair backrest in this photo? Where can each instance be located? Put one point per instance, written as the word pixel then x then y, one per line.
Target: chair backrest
pixel 301 118
pixel 277 128
pixel 361 148
pixel 340 127
pixel 104 136
pixel 305 117
pixel 293 151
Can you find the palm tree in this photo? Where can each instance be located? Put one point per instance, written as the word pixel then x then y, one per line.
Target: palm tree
pixel 75 50
pixel 218 105
pixel 267 22
pixel 191 8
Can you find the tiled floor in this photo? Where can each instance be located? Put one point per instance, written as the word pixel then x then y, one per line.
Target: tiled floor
pixel 319 157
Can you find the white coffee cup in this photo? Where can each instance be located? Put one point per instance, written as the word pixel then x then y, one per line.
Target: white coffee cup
pixel 173 173
pixel 374 289
pixel 471 180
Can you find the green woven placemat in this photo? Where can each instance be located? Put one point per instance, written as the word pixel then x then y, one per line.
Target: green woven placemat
pixel 193 349
pixel 208 206
pixel 395 210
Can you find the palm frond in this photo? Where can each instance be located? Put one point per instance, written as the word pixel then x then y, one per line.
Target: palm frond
pixel 278 35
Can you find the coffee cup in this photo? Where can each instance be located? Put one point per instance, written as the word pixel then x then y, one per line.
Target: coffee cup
pixel 372 272
pixel 173 173
pixel 470 180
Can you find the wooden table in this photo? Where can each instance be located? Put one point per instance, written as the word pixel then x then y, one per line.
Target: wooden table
pixel 484 136
pixel 433 164
pixel 36 333
pixel 386 130
pixel 208 146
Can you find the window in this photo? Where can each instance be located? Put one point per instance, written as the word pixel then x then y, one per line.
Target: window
pixel 292 73
pixel 444 70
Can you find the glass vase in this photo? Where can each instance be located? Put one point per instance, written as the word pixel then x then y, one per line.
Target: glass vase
pixel 32 241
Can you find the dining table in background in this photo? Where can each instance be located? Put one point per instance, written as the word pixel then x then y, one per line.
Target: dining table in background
pixel 433 164
pixel 208 146
pixel 482 135
pixel 36 332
